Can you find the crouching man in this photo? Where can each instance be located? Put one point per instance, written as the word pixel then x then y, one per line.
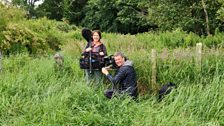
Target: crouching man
pixel 124 81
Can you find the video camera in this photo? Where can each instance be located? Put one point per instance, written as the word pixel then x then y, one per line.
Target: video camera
pixel 96 61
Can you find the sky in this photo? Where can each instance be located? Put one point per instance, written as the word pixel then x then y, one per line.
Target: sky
pixel 37 3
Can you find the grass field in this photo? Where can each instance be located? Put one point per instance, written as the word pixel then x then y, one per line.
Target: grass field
pixel 33 94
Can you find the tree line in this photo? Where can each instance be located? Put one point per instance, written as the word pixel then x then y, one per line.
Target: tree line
pixel 203 17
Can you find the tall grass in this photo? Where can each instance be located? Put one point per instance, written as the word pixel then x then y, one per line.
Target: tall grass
pixel 33 94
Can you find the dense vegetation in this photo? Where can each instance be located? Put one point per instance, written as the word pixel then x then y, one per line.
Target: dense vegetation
pixel 133 16
pixel 32 93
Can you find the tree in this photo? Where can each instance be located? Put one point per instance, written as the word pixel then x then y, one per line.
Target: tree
pixel 124 16
pixel 186 14
pixel 220 13
pixel 100 14
pixel 74 10
pixel 132 16
pixel 206 17
pixel 52 9
pixel 28 5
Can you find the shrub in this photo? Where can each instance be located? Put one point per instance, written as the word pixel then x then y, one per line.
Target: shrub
pixel 18 38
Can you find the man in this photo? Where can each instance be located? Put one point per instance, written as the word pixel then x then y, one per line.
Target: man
pixel 124 81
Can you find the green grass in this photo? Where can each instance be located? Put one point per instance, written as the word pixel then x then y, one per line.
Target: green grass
pixel 32 94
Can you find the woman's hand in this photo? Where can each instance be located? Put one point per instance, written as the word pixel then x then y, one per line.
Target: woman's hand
pixel 101 53
pixel 88 49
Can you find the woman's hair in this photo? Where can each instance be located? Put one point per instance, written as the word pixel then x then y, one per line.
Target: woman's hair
pixel 120 54
pixel 97 31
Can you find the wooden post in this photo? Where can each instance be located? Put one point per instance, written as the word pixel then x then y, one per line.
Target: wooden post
pixel 198 57
pixel 153 56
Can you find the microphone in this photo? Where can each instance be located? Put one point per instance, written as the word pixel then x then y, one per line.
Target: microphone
pixel 87 34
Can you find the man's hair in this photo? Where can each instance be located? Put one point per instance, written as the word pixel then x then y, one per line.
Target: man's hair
pixel 120 54
pixel 97 31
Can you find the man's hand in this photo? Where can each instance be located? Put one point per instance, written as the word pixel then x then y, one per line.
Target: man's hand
pixel 108 68
pixel 105 71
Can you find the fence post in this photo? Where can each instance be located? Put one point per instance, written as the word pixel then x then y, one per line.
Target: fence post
pixel 198 57
pixel 153 56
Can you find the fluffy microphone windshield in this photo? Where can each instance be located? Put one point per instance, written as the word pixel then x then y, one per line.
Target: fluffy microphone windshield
pixel 87 34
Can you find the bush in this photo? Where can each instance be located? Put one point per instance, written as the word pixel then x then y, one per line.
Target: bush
pixel 39 36
pixel 7 15
pixel 18 39
pixel 65 27
pixel 10 14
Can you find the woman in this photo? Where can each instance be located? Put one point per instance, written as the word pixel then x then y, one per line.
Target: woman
pixel 98 49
